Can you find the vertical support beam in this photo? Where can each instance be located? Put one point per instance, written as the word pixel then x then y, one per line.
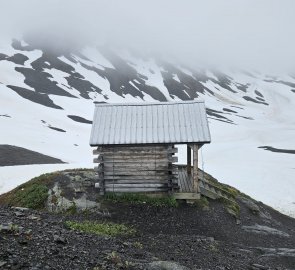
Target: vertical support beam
pixel 101 178
pixel 188 159
pixel 195 170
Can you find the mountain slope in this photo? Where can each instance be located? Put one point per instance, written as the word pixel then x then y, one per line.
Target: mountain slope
pixel 46 105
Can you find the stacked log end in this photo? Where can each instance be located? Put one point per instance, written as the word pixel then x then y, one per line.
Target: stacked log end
pixel 132 169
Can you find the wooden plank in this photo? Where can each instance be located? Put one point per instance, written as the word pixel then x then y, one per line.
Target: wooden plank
pixel 195 168
pixel 132 186
pixel 125 169
pixel 135 181
pixel 135 190
pixel 186 196
pixel 137 166
pixel 189 159
pixel 139 173
pixel 95 152
pixel 136 152
pixel 131 148
pixel 135 160
pixel 139 177
pixel 136 156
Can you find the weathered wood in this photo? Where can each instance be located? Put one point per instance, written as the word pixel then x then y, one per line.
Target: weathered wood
pixel 135 190
pixel 132 160
pixel 189 159
pixel 132 148
pixel 147 166
pixel 137 168
pixel 136 152
pixel 186 196
pixel 131 170
pixel 135 181
pixel 139 177
pixel 195 168
pixel 136 156
pixel 139 173
pixel 137 185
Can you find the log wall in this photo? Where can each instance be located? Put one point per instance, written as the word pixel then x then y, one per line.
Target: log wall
pixel 136 169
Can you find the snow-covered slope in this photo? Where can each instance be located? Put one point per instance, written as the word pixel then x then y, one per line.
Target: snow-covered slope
pixel 46 105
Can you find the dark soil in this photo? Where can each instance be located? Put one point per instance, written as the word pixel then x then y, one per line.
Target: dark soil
pixel 189 235
pixel 13 155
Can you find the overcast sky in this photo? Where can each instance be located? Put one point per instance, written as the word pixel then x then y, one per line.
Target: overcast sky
pixel 247 33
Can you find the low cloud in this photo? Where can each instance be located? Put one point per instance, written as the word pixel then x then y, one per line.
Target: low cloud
pixel 244 33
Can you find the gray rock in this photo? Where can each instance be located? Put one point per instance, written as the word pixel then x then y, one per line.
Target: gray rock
pixel 277 252
pixel 260 229
pixel 165 265
pixel 19 214
pixel 2 263
pixel 59 239
pixel 259 266
pixel 33 217
pixel 22 209
pixel 9 228
pixel 254 208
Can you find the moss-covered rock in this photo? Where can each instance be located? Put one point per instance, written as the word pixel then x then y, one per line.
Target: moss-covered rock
pixel 32 194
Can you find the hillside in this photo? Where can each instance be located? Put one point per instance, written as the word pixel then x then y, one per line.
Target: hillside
pixel 136 232
pixel 46 106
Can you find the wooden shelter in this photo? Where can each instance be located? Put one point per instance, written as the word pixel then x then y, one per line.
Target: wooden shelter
pixel 135 146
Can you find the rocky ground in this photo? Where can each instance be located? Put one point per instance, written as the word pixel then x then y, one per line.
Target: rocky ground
pixel 198 236
pixel 210 234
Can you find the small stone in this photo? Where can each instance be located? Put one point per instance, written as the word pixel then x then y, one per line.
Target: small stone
pixel 2 263
pixel 59 239
pixel 210 239
pixel 22 209
pixel 165 265
pixel 22 241
pixel 33 217
pixel 259 266
pixel 19 214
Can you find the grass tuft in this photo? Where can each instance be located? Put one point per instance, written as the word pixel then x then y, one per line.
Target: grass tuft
pixel 203 203
pixel 32 194
pixel 231 207
pixel 134 198
pixel 104 228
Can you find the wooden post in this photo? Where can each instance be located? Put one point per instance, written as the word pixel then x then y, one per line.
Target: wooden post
pixel 101 179
pixel 195 170
pixel 189 159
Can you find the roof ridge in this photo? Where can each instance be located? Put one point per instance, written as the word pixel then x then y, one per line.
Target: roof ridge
pixel 150 103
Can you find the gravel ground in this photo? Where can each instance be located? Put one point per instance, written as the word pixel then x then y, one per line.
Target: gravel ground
pixel 189 235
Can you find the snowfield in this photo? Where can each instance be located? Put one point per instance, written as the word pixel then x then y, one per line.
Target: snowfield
pixel 245 110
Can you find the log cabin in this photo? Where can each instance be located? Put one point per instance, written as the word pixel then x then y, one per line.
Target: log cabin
pixel 135 147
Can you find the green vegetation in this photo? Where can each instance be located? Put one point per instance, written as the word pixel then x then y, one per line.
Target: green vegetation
pixel 115 259
pixel 230 190
pixel 104 228
pixel 138 245
pixel 214 247
pixel 32 194
pixel 202 203
pixel 134 198
pixel 231 207
pixel 72 209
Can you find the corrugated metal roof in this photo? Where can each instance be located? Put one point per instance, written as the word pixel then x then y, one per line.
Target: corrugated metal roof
pixel 150 123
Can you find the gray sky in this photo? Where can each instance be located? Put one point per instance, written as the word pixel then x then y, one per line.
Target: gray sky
pixel 246 33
